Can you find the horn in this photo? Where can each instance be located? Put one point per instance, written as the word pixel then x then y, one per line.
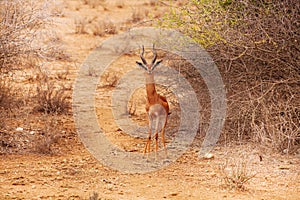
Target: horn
pixel 154 54
pixel 142 56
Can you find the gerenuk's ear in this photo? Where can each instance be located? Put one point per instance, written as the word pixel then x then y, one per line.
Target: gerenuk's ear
pixel 141 65
pixel 156 64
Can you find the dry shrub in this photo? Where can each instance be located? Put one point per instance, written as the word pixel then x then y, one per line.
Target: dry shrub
pixel 137 16
pixel 51 99
pixel 43 144
pixel 12 143
pixel 26 40
pixel 137 101
pixel 153 2
pixel 7 95
pixel 10 101
pixel 255 46
pixel 44 141
pixel 132 109
pixel 276 123
pixel 109 79
pixel 95 196
pixel 80 25
pixel 23 39
pixel 20 131
pixel 267 113
pixel 262 74
pixel 188 71
pixel 235 175
pixel 37 138
pixel 103 27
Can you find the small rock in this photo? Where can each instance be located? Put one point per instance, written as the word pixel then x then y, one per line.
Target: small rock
pixel 284 167
pixel 208 156
pixel 174 194
pixel 286 151
pixel 20 129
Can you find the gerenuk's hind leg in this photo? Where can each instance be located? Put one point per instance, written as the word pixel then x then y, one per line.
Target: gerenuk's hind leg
pixel 163 137
pixel 156 138
pixel 147 146
pixel 148 143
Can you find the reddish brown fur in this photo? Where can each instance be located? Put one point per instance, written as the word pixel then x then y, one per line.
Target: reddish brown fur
pixel 157 106
pixel 154 98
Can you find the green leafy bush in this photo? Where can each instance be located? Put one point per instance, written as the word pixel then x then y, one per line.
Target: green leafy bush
pixel 255 45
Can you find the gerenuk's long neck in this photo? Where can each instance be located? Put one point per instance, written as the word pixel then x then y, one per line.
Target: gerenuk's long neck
pixel 152 95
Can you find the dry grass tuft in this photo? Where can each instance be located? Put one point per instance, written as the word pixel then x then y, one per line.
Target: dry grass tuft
pixel 153 2
pixel 44 141
pixel 236 175
pixel 51 99
pixel 80 25
pixel 7 94
pixel 95 196
pixel 137 15
pixel 103 27
pixel 109 79
pixel 10 101
pixel 38 138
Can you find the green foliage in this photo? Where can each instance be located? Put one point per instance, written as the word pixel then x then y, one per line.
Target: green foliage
pixel 255 44
pixel 196 19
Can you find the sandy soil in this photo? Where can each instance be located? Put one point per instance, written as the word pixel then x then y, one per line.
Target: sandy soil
pixel 73 173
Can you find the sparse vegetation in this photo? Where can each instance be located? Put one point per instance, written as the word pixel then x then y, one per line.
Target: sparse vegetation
pixel 7 101
pixel 27 41
pixel 94 196
pixel 137 15
pixel 153 2
pixel 236 175
pixel 51 99
pixel 8 97
pixel 44 140
pixel 23 41
pixel 33 138
pixel 103 27
pixel 80 25
pixel 132 108
pixel 109 79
